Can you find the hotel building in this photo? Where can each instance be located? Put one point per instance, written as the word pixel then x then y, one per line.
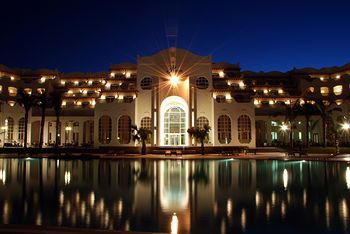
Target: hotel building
pixel 168 92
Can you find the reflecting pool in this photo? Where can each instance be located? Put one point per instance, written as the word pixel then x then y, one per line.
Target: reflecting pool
pixel 200 196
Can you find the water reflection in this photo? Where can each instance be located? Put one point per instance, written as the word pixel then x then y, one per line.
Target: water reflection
pixel 176 196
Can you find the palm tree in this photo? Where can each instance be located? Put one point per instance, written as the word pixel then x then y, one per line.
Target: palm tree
pixel 141 135
pixel 307 110
pixel 291 113
pixel 56 101
pixel 325 111
pixel 26 100
pixel 43 103
pixel 200 134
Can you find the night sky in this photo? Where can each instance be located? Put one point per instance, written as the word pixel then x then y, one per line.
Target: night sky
pixel 81 35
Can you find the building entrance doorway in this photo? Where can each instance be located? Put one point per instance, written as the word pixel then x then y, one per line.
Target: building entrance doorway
pixel 174 122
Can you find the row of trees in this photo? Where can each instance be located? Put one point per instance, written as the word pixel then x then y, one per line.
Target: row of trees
pixel 44 101
pixel 307 108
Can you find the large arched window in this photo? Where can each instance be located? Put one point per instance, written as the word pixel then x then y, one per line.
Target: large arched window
pixel 175 126
pixel 224 129
pixel 9 126
pixel 124 128
pixel 105 129
pixel 21 130
pixel 201 121
pixel 244 129
pixel 88 134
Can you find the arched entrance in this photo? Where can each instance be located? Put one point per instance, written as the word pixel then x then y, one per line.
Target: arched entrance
pixel 173 122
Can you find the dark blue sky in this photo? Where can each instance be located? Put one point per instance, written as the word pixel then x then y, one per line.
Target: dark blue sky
pixel 82 35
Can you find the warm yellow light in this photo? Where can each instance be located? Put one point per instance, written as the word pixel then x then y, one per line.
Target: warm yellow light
pixel 174 224
pixel 112 74
pixel 280 91
pixel 266 91
pixel 76 82
pixel 345 126
pixel 43 79
pixel 12 78
pixel 127 75
pixel 221 74
pixel 4 128
pixel 64 103
pixel 68 128
pixel 93 102
pixel 63 82
pixel 103 97
pixel 174 80
pixel 241 84
pixel 285 178
pixel 284 127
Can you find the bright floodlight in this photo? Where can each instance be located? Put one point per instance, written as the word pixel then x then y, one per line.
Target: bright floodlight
pixel 174 80
pixel 346 126
pixel 284 127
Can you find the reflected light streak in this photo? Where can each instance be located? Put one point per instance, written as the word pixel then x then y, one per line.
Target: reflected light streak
pixel 229 207
pixel 243 219
pixel 67 177
pixel 257 199
pixel 283 209
pixel 285 178
pixel 347 177
pixel 174 224
pixel 327 213
pixel 3 176
pixel 343 212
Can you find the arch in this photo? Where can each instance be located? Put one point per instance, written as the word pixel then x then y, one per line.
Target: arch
pixel 124 128
pixel 173 122
pixel 21 126
pixel 224 129
pixel 244 129
pixel 104 129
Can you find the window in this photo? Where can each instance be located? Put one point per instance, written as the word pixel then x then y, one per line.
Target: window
pixel 224 129
pixel 105 129
pixel 175 126
pixel 300 136
pixel 202 83
pixel 110 99
pixel 338 89
pixel 146 123
pixel 21 125
pixel 128 99
pixel 244 129
pixel 201 121
pixel 315 138
pixel 324 91
pixel 311 89
pixel 274 136
pixel 220 98
pixel 146 83
pixel 274 124
pixel 9 126
pixel 124 128
pixel 12 91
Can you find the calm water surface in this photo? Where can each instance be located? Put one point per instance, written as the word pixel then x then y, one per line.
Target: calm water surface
pixel 224 196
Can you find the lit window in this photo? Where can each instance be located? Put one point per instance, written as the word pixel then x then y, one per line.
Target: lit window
pixel 339 102
pixel 105 129
pixel 324 91
pixel 146 83
pixel 311 89
pixel 202 83
pixel 224 129
pixel 244 129
pixel 21 130
pixel 221 74
pixel 9 128
pixel 12 91
pixel 28 91
pixel 274 123
pixel 274 136
pixel 338 89
pixel 124 128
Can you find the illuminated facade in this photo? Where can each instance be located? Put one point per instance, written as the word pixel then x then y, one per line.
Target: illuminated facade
pixel 168 92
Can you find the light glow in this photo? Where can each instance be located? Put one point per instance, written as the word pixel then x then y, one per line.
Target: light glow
pixel 284 127
pixel 345 126
pixel 174 80
pixel 174 224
